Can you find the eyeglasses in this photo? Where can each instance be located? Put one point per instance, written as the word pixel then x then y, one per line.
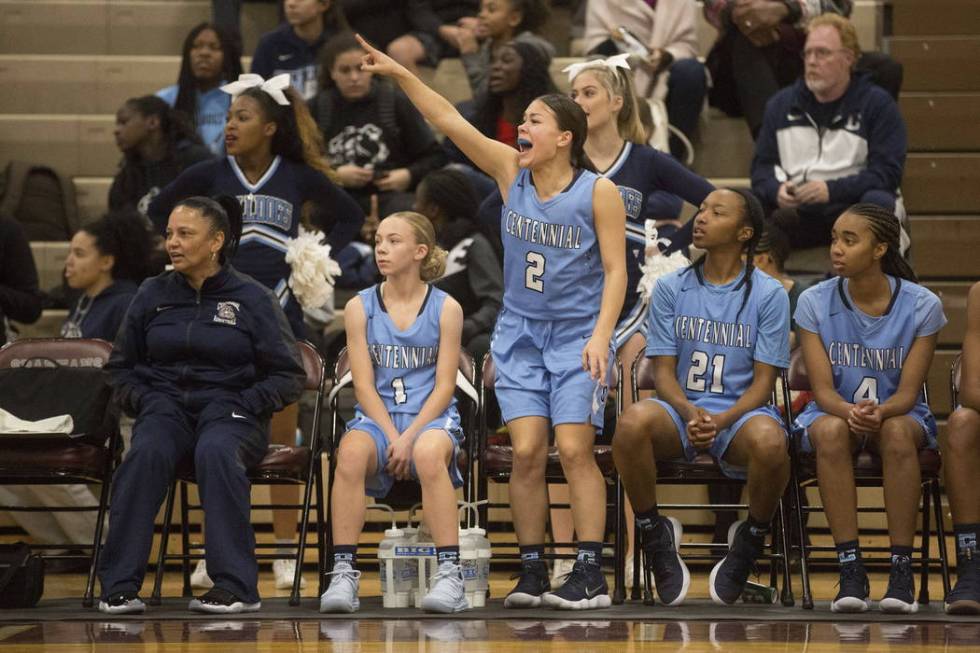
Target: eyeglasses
pixel 820 54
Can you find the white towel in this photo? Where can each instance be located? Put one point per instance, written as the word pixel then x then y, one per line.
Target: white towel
pixel 10 423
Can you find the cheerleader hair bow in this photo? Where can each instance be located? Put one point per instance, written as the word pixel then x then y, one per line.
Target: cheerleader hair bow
pixel 612 63
pixel 273 86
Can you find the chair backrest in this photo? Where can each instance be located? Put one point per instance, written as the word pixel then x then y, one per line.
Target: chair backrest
pixel 643 375
pixel 54 352
pixel 313 364
pixel 799 380
pixel 955 374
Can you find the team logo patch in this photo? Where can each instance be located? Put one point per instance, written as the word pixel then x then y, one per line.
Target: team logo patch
pixel 227 313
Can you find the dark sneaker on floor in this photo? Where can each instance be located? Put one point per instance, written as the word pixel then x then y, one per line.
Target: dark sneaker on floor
pixel 532 584
pixel 661 559
pixel 900 597
pixel 219 601
pixel 965 595
pixel 854 589
pixel 728 577
pixel 122 603
pixel 584 589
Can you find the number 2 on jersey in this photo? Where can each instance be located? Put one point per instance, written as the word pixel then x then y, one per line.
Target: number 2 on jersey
pixel 534 271
pixel 699 366
pixel 398 385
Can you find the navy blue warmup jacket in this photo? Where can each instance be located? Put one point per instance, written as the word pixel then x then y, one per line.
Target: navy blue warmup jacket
pixel 230 341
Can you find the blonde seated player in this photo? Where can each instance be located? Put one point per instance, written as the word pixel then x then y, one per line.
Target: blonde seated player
pixel 403 341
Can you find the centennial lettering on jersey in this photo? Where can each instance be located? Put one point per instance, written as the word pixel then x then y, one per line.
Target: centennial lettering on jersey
pixel 852 354
pixel 726 334
pixel 266 209
pixel 538 232
pixel 403 356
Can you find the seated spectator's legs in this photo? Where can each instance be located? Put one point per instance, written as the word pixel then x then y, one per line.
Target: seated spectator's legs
pixel 53 527
pixel 225 448
pixel 960 462
pixel 407 50
pixel 885 71
pixel 759 73
pixel 162 436
pixel 686 88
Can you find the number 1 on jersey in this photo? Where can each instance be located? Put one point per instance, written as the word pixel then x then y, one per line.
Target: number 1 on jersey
pixel 398 385
pixel 534 271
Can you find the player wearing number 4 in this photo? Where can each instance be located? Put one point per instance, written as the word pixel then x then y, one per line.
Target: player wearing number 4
pixel 403 339
pixel 718 333
pixel 868 336
pixel 563 229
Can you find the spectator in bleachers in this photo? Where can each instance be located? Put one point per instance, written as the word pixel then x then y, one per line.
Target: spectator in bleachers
pixel 473 275
pixel 830 140
pixel 413 32
pixel 294 46
pixel 157 143
pixel 667 51
pixel 499 22
pixel 20 298
pixel 758 48
pixel 209 58
pixel 377 142
pixel 107 260
pixel 519 72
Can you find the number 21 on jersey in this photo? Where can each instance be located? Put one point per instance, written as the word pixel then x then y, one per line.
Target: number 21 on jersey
pixel 697 373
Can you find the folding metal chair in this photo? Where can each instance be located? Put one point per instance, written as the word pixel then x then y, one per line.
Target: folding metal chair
pixel 701 471
pixel 282 465
pixel 468 402
pixel 867 473
pixel 495 462
pixel 46 460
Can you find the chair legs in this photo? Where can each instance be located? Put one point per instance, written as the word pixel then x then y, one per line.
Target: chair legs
pixel 619 592
pixel 926 535
pixel 786 595
pixel 168 513
pixel 88 599
pixel 941 535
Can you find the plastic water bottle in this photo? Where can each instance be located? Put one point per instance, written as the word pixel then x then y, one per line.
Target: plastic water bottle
pixel 482 543
pixel 396 576
pixel 470 563
pixel 423 550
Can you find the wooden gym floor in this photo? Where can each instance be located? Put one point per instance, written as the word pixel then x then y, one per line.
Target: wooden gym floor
pixel 663 630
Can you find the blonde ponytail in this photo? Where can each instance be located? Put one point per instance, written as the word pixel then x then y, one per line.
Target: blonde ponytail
pixel 433 266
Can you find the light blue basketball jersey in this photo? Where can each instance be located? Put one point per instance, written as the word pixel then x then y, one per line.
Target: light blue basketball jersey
pixel 404 361
pixel 867 353
pixel 715 339
pixel 552 266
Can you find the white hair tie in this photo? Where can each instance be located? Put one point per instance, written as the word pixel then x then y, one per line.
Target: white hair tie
pixel 273 86
pixel 612 63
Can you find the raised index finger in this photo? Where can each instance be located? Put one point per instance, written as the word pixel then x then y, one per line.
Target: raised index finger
pixel 364 44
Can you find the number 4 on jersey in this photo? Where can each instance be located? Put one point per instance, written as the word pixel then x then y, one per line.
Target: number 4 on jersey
pixel 867 390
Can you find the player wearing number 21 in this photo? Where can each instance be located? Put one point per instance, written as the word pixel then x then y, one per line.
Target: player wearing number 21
pixel 563 229
pixel 718 331
pixel 868 336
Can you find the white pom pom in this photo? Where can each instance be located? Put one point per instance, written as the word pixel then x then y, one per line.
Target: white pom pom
pixel 313 270
pixel 655 264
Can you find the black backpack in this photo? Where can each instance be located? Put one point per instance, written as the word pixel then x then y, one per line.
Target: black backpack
pixel 40 199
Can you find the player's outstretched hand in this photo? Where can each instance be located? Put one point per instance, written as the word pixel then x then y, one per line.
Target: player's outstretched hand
pixel 377 62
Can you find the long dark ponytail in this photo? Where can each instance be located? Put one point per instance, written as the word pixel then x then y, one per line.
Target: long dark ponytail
pixel 224 213
pixel 886 229
pixel 571 117
pixel 753 216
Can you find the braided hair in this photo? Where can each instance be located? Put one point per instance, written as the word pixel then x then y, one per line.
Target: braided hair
pixel 224 214
pixel 753 216
pixel 886 229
